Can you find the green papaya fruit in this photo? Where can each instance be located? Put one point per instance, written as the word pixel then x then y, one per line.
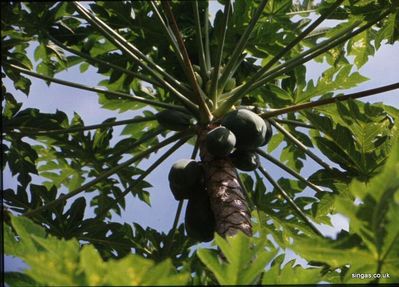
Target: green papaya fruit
pixel 269 133
pixel 197 68
pixel 209 102
pixel 184 176
pixel 248 127
pixel 208 87
pixel 209 73
pixel 245 160
pixel 230 84
pixel 220 141
pixel 199 78
pixel 199 220
pixel 173 120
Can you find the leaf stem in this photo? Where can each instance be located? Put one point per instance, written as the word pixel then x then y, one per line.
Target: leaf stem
pixel 107 92
pixel 128 47
pixel 320 49
pixel 38 131
pixel 298 39
pixel 289 170
pixel 105 175
pixel 300 145
pixel 215 77
pixel 140 76
pixel 166 28
pixel 175 87
pixel 147 136
pixel 294 123
pixel 239 48
pixel 205 113
pixel 332 100
pixel 206 32
pixel 290 201
pixel 198 36
pixel 248 85
pixel 153 166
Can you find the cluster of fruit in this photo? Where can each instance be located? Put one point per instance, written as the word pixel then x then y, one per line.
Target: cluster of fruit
pixel 240 133
pixel 186 181
pixel 230 84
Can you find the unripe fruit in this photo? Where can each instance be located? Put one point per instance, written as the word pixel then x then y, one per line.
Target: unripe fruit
pixel 220 141
pixel 173 120
pixel 230 84
pixel 185 175
pixel 248 127
pixel 245 160
pixel 198 78
pixel 199 220
pixel 197 68
pixel 269 133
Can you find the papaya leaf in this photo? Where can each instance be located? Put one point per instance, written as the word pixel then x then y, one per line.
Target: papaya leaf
pixel 356 136
pixel 373 222
pixel 332 79
pixel 361 48
pixel 290 273
pixel 72 265
pixel 245 259
pixel 18 279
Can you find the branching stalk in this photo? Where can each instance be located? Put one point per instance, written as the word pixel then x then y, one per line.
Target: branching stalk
pixel 167 30
pixel 140 76
pixel 147 136
pixel 294 123
pixel 200 44
pixel 206 31
pixel 153 166
pixel 320 50
pixel 300 145
pixel 91 89
pixel 316 48
pixel 38 132
pixel 294 42
pixel 127 46
pixel 215 78
pixel 300 12
pixel 205 113
pixel 227 72
pixel 290 201
pixel 175 87
pixel 249 85
pixel 105 175
pixel 332 100
pixel 289 170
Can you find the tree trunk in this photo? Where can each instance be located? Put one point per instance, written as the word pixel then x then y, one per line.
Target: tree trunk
pixel 227 198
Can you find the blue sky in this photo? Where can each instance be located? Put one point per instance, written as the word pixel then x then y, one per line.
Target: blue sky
pixel 381 70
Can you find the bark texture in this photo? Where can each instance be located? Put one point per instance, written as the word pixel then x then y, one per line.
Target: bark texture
pixel 228 201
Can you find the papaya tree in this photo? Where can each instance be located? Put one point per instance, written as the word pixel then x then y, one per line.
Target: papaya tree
pixel 233 83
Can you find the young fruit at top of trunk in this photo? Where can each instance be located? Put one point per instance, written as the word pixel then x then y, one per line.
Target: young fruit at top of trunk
pixel 197 68
pixel 245 160
pixel 269 133
pixel 199 220
pixel 198 78
pixel 249 128
pixel 174 120
pixel 230 84
pixel 185 175
pixel 220 141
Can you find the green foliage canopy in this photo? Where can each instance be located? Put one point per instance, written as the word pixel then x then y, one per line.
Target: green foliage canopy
pixel 265 45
